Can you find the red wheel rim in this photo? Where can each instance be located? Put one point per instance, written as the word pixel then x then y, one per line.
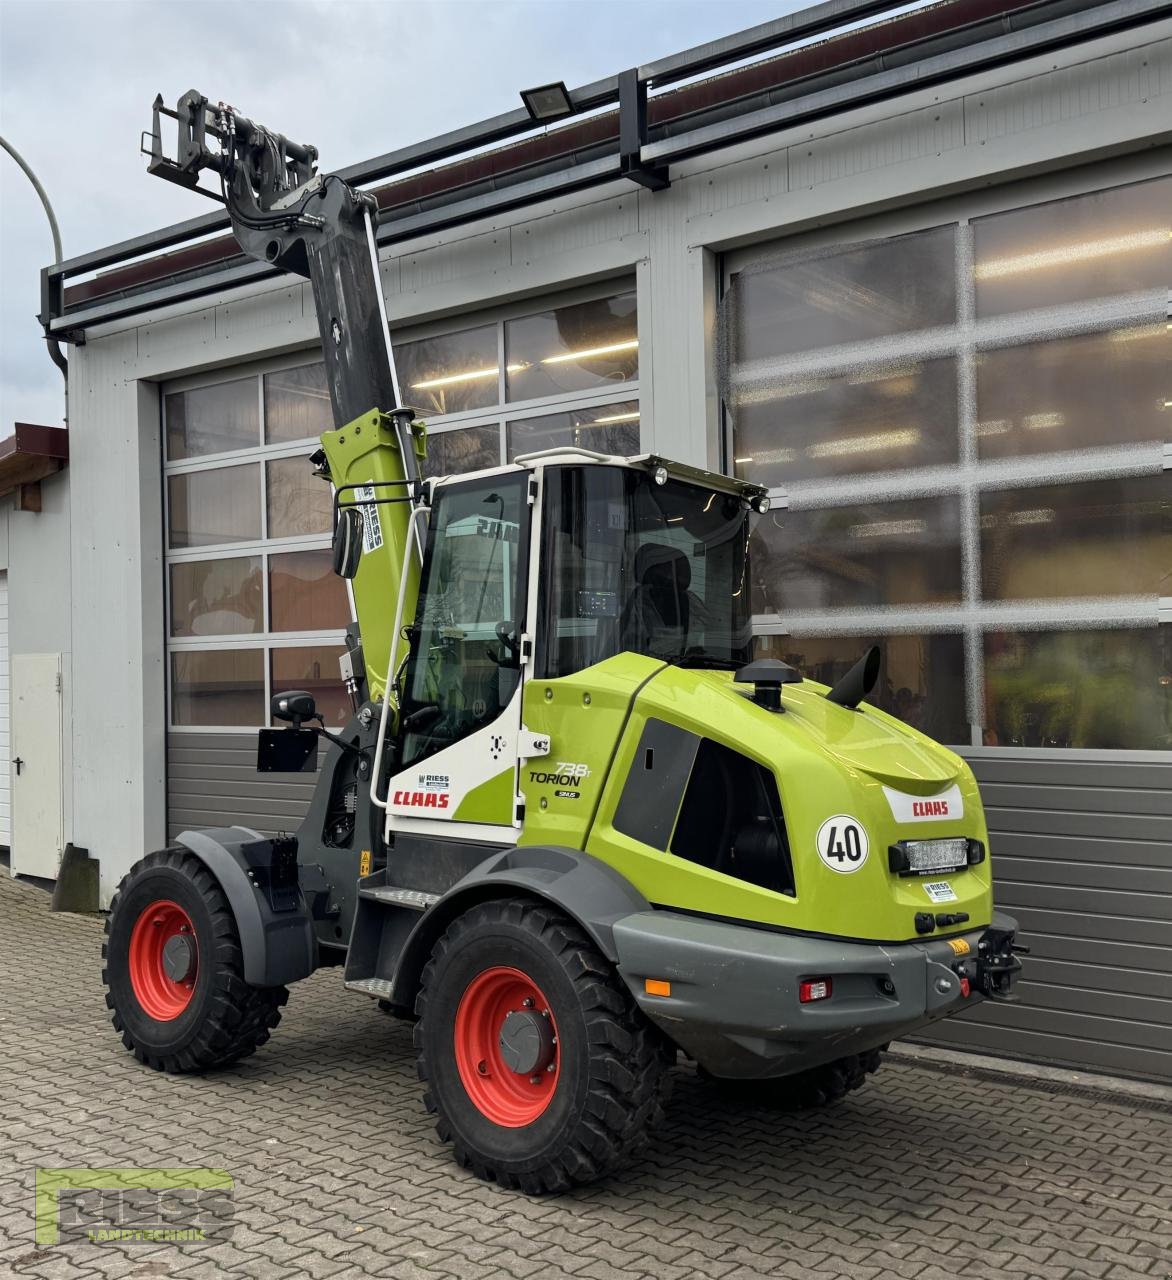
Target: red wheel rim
pixel 504 1095
pixel 161 996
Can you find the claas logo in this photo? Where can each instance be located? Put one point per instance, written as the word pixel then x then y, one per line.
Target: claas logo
pixel 420 799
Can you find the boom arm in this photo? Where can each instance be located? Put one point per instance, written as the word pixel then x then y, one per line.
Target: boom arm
pixel 285 213
pixel 314 225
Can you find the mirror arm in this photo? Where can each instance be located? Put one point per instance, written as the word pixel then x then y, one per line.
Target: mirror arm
pixel 338 741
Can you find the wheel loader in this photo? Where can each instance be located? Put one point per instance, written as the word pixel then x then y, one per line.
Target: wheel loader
pixel 572 827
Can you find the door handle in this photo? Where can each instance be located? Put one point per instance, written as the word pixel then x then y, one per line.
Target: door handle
pixel 19 764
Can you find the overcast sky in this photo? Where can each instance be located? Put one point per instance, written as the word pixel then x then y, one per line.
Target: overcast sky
pixel 356 79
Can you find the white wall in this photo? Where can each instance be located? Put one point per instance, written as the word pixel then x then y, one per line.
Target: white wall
pixel 34 546
pixel 1111 98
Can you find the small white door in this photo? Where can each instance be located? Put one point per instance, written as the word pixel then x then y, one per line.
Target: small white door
pixel 5 736
pixel 37 815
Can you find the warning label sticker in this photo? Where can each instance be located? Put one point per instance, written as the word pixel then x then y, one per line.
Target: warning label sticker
pixel 939 891
pixel 372 529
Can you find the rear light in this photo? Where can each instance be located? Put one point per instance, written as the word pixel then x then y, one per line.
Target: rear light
pixel 811 989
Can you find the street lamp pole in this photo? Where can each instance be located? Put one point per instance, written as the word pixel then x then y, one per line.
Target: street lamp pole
pixel 55 352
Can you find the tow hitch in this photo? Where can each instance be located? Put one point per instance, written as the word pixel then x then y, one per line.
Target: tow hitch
pixel 997 964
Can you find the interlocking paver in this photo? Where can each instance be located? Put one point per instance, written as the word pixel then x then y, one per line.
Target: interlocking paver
pixel 339 1175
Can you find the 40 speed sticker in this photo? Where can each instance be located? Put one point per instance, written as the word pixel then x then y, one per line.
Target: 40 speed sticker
pixel 842 843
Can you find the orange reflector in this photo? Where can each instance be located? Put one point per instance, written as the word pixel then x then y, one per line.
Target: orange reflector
pixel 656 987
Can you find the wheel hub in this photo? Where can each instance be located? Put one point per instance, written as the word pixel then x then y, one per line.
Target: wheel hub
pixel 505 1042
pixel 527 1041
pixel 163 960
pixel 179 956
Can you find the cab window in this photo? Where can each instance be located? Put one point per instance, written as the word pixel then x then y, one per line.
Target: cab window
pixel 464 665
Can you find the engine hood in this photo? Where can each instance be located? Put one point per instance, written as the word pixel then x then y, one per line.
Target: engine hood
pixel 867 739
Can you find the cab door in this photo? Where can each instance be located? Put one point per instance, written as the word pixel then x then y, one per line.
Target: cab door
pixel 461 713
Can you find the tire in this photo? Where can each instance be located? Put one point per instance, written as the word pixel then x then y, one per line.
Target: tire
pixel 209 1016
pixel 818 1087
pixel 595 1080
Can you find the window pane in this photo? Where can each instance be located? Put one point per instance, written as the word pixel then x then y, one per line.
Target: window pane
pixel 876 554
pixel 921 678
pixel 612 428
pixel 216 597
pixel 218 687
pixel 299 502
pixel 1065 251
pixel 297 403
pixel 1109 689
pixel 305 594
pixel 314 669
pixel 213 419
pixel 451 453
pixel 638 567
pixel 875 420
pixel 451 373
pixel 474 579
pixel 854 294
pixel 591 344
pixel 209 507
pixel 1075 393
pixel 1101 538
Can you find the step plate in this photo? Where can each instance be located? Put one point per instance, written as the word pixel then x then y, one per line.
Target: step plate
pixel 415 899
pixel 381 988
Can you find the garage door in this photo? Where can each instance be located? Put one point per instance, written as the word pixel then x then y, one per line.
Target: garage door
pixel 5 767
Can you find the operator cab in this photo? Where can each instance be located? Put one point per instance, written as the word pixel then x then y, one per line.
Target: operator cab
pixel 631 556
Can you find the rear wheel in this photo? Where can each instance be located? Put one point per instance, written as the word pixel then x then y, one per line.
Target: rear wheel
pixel 541 1069
pixel 174 971
pixel 818 1087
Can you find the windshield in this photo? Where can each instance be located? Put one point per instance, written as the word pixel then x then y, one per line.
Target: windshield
pixel 634 566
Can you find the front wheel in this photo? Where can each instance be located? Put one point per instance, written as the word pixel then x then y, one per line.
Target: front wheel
pixel 174 970
pixel 541 1069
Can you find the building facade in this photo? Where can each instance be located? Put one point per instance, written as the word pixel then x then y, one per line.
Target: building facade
pixel 936 325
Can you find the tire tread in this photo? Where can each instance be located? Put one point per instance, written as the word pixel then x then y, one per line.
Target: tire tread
pixel 629 1080
pixel 241 1016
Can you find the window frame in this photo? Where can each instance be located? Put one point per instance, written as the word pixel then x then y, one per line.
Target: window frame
pixel 497 415
pixel 970 475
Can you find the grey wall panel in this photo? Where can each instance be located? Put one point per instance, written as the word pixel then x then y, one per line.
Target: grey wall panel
pixel 1082 856
pixel 212 782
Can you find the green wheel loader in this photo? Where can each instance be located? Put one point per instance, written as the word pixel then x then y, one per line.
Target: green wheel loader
pixel 571 827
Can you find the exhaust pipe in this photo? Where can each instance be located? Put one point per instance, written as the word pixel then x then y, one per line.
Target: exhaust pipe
pixel 858 681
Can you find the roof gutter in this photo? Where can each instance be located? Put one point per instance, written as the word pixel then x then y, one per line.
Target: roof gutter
pixel 637 142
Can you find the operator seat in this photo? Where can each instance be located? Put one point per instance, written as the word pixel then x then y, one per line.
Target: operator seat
pixel 655 620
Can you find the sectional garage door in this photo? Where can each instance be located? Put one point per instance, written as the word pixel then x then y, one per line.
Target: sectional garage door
pixel 1082 856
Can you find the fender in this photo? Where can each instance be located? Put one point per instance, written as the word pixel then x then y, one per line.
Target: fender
pixel 278 945
pixel 590 892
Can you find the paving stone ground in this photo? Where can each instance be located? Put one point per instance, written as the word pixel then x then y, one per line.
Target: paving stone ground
pixel 338 1172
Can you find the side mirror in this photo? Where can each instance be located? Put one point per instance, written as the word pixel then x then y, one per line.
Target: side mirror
pixel 348 542
pixel 294 706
